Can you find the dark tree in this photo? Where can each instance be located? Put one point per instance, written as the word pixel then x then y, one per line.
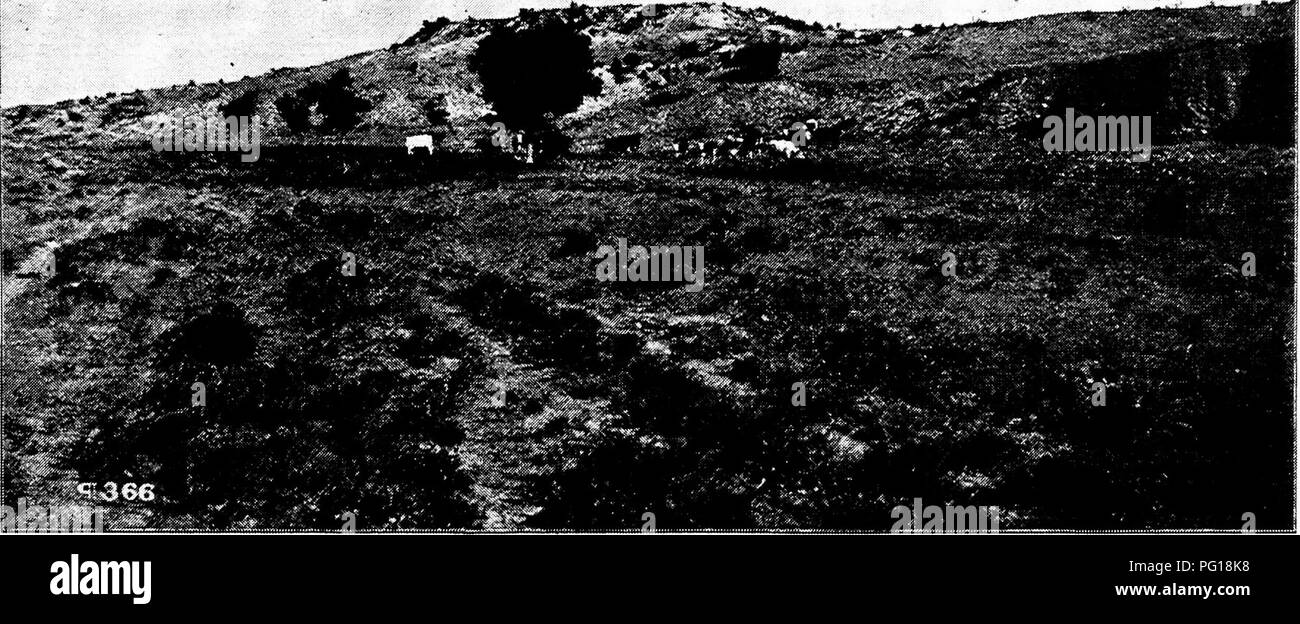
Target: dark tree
pixel 243 105
pixel 535 71
pixel 295 111
pixel 756 61
pixel 576 14
pixel 427 31
pixel 436 110
pixel 1263 115
pixel 340 104
pixel 337 101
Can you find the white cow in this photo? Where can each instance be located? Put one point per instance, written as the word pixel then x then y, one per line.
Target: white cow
pixel 419 140
pixel 785 147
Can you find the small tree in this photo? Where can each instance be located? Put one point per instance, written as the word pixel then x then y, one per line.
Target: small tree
pixel 436 110
pixel 617 70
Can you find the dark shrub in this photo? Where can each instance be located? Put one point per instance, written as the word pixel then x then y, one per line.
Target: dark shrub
pixel 755 61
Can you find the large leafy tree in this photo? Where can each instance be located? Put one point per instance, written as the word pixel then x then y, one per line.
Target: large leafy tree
pixel 340 104
pixel 536 72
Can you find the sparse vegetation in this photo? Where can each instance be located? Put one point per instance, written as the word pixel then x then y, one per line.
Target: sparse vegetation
pixel 370 393
pixel 126 107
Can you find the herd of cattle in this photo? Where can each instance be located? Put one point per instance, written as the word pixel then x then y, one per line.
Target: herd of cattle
pixel 750 143
pixel 745 144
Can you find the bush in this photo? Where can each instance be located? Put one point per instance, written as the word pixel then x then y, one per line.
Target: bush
pixel 15 478
pixel 244 105
pixel 756 61
pixel 436 110
pixel 128 107
pixel 288 440
pixel 295 112
pixel 336 100
pixel 690 49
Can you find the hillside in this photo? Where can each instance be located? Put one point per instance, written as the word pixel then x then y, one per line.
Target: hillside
pixel 887 85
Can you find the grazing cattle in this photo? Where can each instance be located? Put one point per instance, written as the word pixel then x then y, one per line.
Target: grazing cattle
pixel 785 148
pixel 684 149
pixel 731 146
pixel 419 141
pixel 746 143
pixel 516 144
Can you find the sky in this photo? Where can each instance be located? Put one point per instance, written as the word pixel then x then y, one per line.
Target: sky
pixel 52 50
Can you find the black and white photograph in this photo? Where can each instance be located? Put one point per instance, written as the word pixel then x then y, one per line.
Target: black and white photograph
pixel 850 267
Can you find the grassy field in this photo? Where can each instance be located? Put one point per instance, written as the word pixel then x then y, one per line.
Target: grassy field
pixel 373 393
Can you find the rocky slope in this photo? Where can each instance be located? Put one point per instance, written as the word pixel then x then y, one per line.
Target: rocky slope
pixel 1192 67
